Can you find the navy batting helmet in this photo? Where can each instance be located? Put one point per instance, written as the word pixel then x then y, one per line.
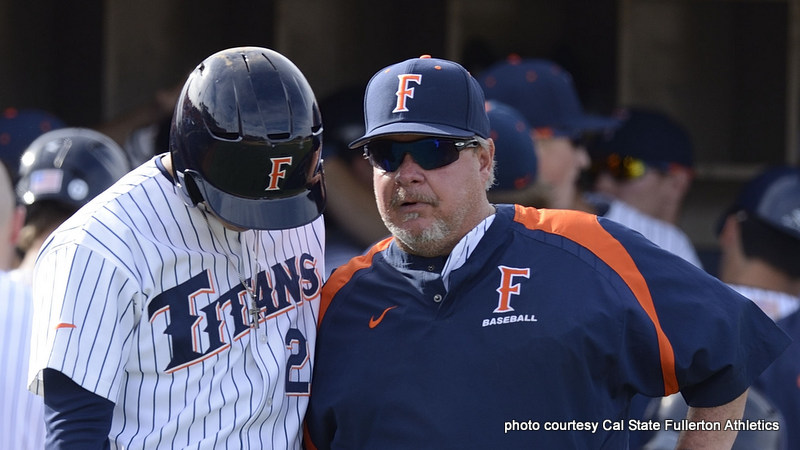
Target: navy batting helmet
pixel 246 139
pixel 69 166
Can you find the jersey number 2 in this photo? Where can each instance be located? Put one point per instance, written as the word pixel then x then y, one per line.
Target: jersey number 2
pixel 296 343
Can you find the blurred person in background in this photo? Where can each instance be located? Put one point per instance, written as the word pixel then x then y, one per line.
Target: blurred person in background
pixel 11 219
pixel 59 172
pixel 143 132
pixel 546 96
pixel 515 160
pixel 352 221
pixel 759 238
pixel 18 128
pixel 640 175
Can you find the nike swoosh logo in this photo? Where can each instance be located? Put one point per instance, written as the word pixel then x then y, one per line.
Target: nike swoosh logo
pixel 65 325
pixel 373 322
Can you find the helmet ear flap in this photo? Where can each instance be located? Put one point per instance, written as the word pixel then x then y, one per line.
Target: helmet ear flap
pixel 188 189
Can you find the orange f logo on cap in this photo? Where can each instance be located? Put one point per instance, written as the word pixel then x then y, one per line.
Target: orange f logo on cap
pixel 404 91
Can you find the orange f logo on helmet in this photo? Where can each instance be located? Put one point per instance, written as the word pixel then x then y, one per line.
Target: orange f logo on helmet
pixel 278 172
pixel 404 91
pixel 508 287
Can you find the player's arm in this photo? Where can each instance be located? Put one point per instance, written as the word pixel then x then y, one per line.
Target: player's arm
pixel 722 439
pixel 74 417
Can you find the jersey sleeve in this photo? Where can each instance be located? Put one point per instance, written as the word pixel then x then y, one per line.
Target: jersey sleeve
pixel 85 312
pixel 717 341
pixel 75 417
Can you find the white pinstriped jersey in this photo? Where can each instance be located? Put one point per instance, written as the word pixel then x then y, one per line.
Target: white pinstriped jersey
pixel 139 301
pixel 775 304
pixel 664 234
pixel 21 412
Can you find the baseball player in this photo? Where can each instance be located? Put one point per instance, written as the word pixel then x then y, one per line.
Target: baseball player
pixel 501 326
pixel 759 237
pixel 178 308
pixel 18 128
pixel 546 95
pixel 60 171
pixel 641 173
pixel 515 161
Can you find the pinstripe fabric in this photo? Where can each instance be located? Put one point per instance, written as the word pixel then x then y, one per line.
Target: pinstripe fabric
pixel 155 319
pixel 775 304
pixel 663 234
pixel 21 412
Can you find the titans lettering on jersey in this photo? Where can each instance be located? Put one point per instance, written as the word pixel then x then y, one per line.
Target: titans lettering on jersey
pixel 551 316
pixel 285 287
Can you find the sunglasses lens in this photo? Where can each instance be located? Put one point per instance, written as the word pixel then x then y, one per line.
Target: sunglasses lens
pixel 427 153
pixel 622 168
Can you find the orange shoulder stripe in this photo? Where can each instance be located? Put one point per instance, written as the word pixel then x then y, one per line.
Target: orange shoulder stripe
pixel 587 232
pixel 344 273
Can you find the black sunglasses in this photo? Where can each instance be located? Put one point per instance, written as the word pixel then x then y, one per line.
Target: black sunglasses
pixel 430 153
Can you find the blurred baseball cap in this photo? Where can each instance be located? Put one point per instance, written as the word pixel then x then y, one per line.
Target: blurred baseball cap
pixel 343 113
pixel 773 197
pixel 515 152
pixel 20 127
pixel 646 134
pixel 427 96
pixel 544 93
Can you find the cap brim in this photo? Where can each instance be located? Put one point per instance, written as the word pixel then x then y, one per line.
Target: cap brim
pixel 426 129
pixel 588 123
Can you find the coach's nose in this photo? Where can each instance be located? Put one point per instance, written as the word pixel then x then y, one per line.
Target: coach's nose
pixel 409 171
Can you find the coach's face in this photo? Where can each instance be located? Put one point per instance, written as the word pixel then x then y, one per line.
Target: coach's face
pixel 429 211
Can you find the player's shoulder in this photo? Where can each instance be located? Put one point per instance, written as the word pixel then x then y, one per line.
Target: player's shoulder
pixel 344 273
pixel 109 212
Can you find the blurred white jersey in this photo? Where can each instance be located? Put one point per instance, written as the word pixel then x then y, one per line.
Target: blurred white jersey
pixel 21 412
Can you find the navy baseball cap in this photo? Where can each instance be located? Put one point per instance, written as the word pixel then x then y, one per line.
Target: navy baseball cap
pixel 20 127
pixel 516 164
pixel 649 135
pixel 544 93
pixel 773 198
pixel 426 96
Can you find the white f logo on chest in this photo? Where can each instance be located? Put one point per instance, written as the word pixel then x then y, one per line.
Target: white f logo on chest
pixel 508 286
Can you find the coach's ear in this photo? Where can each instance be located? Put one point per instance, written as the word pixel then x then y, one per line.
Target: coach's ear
pixel 486 160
